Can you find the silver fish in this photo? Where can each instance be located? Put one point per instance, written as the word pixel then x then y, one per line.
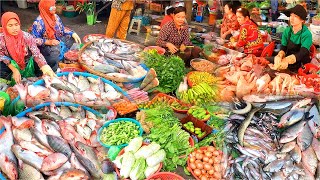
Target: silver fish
pixel 292 132
pixel 65 112
pixel 27 157
pixel 291 117
pixel 304 139
pixel 59 145
pixel 277 108
pixel 50 128
pixel 28 172
pixel 274 166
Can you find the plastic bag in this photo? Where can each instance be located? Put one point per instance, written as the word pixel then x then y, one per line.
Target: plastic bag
pixel 14 108
pixel 28 71
pixel 75 46
pixel 113 152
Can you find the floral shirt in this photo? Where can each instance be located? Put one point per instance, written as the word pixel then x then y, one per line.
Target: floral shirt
pixel 39 30
pixel 170 33
pixel 229 23
pixel 250 38
pixel 31 47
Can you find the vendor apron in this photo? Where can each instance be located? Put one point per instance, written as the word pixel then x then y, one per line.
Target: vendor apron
pixel 291 49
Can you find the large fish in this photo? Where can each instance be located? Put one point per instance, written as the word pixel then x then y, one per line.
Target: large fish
pixel 8 162
pixel 59 145
pixel 34 146
pixel 304 139
pixel 309 160
pixel 314 123
pixel 50 128
pixel 53 162
pixel 292 132
pixel 291 117
pixel 27 157
pixel 75 163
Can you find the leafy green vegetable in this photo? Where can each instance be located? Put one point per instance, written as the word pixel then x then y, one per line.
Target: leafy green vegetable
pixel 161 117
pixel 175 142
pixel 170 70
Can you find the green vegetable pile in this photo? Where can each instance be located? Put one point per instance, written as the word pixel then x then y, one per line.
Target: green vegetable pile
pixel 119 133
pixel 170 70
pixel 175 142
pixel 190 127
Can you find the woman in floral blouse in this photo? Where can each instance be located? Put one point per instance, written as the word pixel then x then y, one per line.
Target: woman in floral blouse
pixel 174 36
pixel 250 37
pixel 229 22
pixel 18 51
pixel 49 31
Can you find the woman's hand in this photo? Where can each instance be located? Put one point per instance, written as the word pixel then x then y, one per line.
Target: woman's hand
pixel 52 42
pixel 76 38
pixel 16 76
pixel 172 48
pixel 46 70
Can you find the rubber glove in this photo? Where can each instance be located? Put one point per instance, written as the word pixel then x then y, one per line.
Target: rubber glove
pixel 290 59
pixel 76 38
pixel 281 54
pixel 46 70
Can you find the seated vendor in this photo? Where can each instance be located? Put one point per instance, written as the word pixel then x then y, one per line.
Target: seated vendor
pixel 296 42
pixel 168 17
pixel 250 37
pixel 49 31
pixel 229 22
pixel 18 51
pixel 174 37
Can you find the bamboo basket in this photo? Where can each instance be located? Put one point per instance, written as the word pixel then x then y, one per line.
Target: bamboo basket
pixel 92 71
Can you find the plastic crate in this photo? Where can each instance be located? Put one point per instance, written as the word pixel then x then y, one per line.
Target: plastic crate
pixel 199 18
pixel 197 124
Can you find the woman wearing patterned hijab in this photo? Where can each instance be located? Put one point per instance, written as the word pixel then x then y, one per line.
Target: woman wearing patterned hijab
pixel 18 51
pixel 50 31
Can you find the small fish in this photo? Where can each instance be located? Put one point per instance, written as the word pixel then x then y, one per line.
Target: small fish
pixel 22 122
pixel 115 63
pixel 50 128
pixel 274 166
pixel 72 79
pixel 62 87
pixel 33 146
pixel 85 131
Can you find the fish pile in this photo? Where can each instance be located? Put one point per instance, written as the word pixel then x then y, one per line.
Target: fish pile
pixel 52 143
pixel 275 140
pixel 118 61
pixel 81 90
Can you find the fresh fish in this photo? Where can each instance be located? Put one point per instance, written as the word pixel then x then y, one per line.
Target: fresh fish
pixel 318 172
pixel 278 176
pixel 314 123
pixel 53 108
pixel 22 135
pixel 37 130
pixel 76 164
pixel 8 167
pixel 296 154
pixel 55 174
pixel 115 63
pixel 79 113
pixel 268 98
pixel 86 96
pixel 274 166
pixel 304 139
pixel 63 87
pixel 65 112
pixel 277 108
pixel 270 157
pixel 288 147
pixel 53 162
pixel 246 123
pixel 91 123
pixel 44 115
pixel 27 172
pixel 119 77
pixel 32 146
pixel 83 83
pixel 27 157
pixel 292 132
pixel 38 91
pixel 291 117
pixel 50 128
pixel 307 174
pixel 309 160
pixel 72 121
pixel 316 147
pixel 22 122
pixel 72 79
pixel 59 145
pixel 106 68
pixel 85 131
pixel 88 159
pixel 73 174
pixel 69 133
pixel 65 96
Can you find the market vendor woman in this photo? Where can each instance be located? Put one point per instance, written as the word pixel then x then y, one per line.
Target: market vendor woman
pixel 250 37
pixel 49 31
pixel 296 42
pixel 174 36
pixel 18 51
pixel 229 22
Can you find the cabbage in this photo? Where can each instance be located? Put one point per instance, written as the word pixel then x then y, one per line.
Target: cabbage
pixel 134 145
pixel 137 171
pixel 126 167
pixel 118 161
pixel 156 158
pixel 147 151
pixel 151 170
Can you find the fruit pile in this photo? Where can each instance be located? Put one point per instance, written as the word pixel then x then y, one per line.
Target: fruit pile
pixel 205 163
pixel 199 94
pixel 190 127
pixel 199 113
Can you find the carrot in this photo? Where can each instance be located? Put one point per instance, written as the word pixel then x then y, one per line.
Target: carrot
pixel 125 107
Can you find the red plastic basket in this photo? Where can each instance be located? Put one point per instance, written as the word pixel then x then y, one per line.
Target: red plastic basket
pixel 165 176
pixel 122 152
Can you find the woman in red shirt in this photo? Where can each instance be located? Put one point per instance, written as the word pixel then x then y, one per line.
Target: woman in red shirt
pixel 250 37
pixel 169 17
pixel 229 22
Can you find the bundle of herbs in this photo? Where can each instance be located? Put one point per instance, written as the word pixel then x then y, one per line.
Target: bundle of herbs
pixel 170 70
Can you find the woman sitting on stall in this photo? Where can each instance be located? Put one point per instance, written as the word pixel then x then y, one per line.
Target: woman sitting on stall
pixel 296 42
pixel 229 22
pixel 18 51
pixel 49 31
pixel 250 37
pixel 174 36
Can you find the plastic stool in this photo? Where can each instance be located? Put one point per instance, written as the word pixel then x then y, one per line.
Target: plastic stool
pixel 138 28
